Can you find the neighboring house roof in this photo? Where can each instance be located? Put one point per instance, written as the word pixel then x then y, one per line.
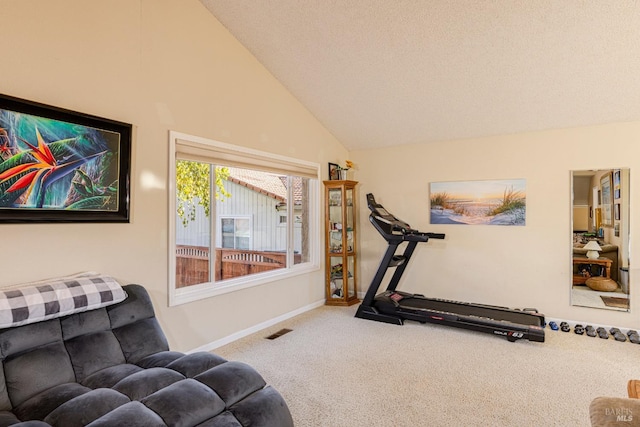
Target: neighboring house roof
pixel 271 185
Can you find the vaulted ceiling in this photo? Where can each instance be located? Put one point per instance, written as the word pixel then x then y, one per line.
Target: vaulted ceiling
pixel 384 72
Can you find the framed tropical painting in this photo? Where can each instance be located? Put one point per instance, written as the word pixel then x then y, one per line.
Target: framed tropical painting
pixel 58 165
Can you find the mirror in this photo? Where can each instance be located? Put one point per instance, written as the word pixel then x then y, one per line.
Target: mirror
pixel 600 241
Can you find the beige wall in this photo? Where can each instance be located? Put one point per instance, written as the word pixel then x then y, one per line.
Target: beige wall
pixel 167 64
pixel 161 65
pixel 526 266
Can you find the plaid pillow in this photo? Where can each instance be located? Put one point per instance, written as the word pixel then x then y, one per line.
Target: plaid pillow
pixel 48 299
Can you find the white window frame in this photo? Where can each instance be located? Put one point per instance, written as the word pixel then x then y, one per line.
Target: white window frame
pixel 259 158
pixel 234 217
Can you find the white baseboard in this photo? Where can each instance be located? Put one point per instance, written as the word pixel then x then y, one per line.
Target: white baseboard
pixel 256 328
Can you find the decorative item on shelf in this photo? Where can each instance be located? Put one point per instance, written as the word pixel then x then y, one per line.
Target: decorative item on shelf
pixel 336 271
pixel 593 249
pixel 334 171
pixel 339 173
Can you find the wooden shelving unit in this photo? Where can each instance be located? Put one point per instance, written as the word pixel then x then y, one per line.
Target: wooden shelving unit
pixel 340 243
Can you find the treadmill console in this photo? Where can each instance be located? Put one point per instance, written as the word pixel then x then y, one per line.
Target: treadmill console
pixel 392 227
pixel 395 225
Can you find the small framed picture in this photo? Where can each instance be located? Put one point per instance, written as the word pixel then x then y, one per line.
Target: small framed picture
pixel 616 184
pixel 616 212
pixel 334 172
pixel 607 199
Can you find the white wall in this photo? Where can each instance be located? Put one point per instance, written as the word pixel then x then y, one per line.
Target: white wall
pixel 161 65
pixel 526 266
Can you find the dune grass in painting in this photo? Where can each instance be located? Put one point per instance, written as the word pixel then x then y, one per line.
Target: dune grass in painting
pixel 491 202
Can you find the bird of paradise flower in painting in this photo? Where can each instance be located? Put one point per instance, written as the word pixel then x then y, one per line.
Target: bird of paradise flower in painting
pixel 72 167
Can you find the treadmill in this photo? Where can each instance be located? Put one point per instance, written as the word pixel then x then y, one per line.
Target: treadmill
pixel 392 306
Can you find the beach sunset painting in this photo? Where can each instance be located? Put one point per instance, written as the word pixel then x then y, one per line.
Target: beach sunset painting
pixel 486 202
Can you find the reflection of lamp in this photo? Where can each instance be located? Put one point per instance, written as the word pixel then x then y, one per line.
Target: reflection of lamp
pixel 592 249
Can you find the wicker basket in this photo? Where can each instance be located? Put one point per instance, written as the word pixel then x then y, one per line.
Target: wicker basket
pixel 602 284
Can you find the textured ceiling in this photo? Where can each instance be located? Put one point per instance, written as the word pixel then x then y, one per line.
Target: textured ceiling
pixel 385 72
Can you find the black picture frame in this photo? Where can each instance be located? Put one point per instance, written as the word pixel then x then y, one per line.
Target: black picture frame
pixel 616 212
pixel 334 172
pixel 58 165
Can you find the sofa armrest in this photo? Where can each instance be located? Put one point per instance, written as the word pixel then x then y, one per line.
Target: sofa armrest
pixel 614 411
pixel 32 423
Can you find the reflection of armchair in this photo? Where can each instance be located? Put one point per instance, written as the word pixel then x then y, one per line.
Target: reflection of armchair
pixel 608 251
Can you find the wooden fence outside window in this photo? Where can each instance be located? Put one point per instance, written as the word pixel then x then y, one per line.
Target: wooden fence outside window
pixel 192 263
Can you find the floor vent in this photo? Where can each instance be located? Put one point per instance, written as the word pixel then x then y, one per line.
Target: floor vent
pixel 278 334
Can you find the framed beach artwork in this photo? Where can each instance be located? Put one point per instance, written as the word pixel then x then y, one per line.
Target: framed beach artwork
pixel 58 165
pixel 483 202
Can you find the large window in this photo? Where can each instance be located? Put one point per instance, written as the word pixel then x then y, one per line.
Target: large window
pixel 239 217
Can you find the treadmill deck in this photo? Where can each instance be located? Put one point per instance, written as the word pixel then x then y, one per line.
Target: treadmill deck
pixel 466 309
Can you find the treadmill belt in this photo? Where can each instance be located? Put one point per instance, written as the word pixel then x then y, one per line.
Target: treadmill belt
pixel 463 309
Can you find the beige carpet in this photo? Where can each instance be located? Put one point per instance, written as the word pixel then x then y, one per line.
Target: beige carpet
pixel 335 370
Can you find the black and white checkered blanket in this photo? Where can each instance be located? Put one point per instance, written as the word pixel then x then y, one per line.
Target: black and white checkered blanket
pixel 47 299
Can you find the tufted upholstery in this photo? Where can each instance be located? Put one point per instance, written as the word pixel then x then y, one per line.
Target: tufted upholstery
pixel 112 367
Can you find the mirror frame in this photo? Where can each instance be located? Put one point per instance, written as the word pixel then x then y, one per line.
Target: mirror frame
pixel 607 198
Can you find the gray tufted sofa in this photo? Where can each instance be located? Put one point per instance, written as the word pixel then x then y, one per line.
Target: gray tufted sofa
pixel 111 366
